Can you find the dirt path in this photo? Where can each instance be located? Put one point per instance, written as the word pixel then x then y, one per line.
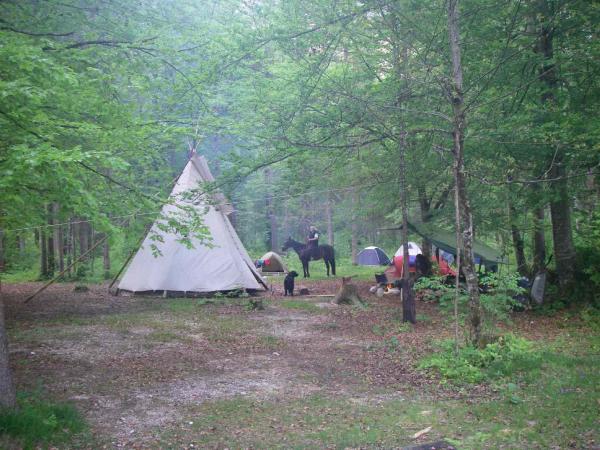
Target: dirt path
pixel 138 366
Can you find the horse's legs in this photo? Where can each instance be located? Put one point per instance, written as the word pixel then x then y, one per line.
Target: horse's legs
pixel 305 268
pixel 326 265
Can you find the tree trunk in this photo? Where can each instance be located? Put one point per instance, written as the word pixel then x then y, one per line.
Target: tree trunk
pixel 466 219
pixel 2 258
pixel 70 246
pixel 562 235
pixel 21 245
pixel 560 209
pixel 409 313
pixel 424 206
pixel 354 228
pixel 43 254
pixel 519 247
pixel 539 241
pixel 83 237
pixel 271 221
pixel 517 241
pixel 7 388
pixel 329 217
pixel 106 259
pixel 92 256
pixel 59 243
pixel 286 220
pixel 51 242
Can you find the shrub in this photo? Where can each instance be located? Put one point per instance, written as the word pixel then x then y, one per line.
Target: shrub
pixel 472 365
pixel 496 296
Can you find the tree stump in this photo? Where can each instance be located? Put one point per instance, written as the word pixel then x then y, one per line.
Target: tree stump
pixel 348 294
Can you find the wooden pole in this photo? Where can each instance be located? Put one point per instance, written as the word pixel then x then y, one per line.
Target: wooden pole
pixel 139 242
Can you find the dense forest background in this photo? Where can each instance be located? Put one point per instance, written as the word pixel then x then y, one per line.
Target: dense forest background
pixel 310 113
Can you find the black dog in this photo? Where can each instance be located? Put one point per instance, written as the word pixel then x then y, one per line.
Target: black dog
pixel 288 283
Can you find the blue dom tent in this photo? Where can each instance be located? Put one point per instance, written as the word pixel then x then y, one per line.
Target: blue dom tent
pixel 372 256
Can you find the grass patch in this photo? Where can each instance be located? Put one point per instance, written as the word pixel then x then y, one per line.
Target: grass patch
pixel 166 336
pixel 423 318
pixel 393 327
pixel 37 422
pixel 344 268
pixel 39 334
pixel 302 305
pixel 270 342
pixel 223 329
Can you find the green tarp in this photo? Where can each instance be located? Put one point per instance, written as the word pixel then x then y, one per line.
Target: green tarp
pixel 446 240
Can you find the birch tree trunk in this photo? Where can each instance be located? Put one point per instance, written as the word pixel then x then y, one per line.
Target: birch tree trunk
pixel 466 219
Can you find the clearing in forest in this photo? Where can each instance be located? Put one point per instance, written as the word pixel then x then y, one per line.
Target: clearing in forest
pixel 154 372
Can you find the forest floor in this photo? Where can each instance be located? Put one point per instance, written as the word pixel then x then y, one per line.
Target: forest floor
pixel 149 372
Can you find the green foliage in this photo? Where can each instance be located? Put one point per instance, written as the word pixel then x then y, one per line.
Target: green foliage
pixel 588 261
pixel 499 359
pixel 435 289
pixel 38 422
pixel 496 296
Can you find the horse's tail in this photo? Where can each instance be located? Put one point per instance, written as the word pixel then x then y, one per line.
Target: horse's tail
pixel 333 261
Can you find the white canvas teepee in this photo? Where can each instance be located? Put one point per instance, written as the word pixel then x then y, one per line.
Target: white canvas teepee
pixel 222 266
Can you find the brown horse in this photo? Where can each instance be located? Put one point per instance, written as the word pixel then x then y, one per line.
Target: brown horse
pixel 306 253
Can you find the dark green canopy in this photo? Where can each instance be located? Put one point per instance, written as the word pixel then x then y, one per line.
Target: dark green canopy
pixel 446 240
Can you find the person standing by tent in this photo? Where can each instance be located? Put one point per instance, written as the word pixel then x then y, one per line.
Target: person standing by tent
pixel 313 237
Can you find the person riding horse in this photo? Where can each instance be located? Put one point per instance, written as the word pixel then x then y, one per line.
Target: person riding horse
pixel 307 253
pixel 313 237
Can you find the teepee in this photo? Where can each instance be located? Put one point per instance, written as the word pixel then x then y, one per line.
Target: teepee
pixel 222 265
